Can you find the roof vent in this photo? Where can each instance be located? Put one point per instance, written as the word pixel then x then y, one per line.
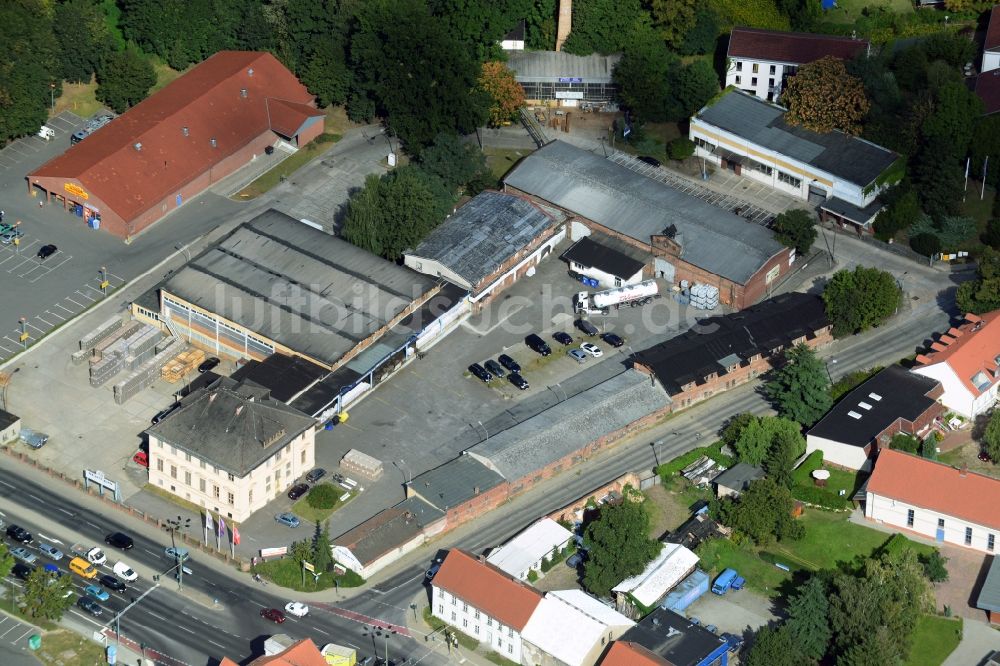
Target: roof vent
pixel 137 146
pixel 671 231
pixel 656 621
pixel 250 72
pixel 185 131
pixel 243 92
pixel 875 396
pixel 214 143
pixel 854 415
pixel 864 405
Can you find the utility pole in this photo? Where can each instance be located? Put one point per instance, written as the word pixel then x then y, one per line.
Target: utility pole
pixel 172 525
pixel 118 617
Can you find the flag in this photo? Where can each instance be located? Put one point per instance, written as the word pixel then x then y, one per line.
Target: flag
pixel 208 521
pixel 236 535
pixel 222 526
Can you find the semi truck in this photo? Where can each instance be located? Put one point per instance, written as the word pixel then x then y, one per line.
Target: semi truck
pixel 602 301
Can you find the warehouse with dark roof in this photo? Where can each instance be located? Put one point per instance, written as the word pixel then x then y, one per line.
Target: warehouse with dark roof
pixel 684 237
pixel 179 142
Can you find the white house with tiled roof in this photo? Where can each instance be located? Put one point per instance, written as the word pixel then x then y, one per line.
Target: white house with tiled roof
pixel 966 360
pixel 991 46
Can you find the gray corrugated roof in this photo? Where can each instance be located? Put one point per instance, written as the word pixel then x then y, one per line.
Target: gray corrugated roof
pixel 625 201
pixel 388 529
pixel 312 292
pixel 234 427
pixel 551 65
pixel 484 233
pixel 847 157
pixel 989 595
pixel 455 482
pixel 739 476
pixel 571 425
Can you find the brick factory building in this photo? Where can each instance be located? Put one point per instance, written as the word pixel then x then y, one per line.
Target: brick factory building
pixel 179 142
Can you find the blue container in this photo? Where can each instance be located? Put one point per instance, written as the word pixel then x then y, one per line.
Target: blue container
pixel 687 592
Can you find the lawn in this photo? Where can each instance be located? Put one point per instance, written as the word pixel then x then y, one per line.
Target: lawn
pixel 80 97
pixel 67 648
pixel 806 490
pixel 287 573
pixel 502 160
pixel 981 210
pixel 313 515
pixel 287 167
pixel 934 639
pixel 848 11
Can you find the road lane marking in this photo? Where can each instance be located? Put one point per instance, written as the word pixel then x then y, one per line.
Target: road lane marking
pixel 181 626
pixel 216 644
pixel 68 513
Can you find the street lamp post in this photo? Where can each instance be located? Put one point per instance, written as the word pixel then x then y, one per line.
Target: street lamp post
pixel 172 525
pixel 52 94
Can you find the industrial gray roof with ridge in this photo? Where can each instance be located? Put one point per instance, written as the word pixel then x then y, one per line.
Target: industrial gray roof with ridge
pixel 484 233
pixel 624 201
pixel 310 291
pixel 454 482
pixel 749 117
pixel 989 594
pixel 550 66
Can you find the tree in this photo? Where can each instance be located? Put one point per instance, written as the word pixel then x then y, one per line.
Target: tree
pixel 928 447
pixel 47 595
pixel 968 5
pixel 800 389
pixel 927 244
pixel 701 39
pixel 780 461
pixel 773 646
pixel 992 234
pixel 904 442
pixel 938 177
pixel 762 512
pixel 459 164
pixel 325 73
pixel 506 93
pixel 991 436
pixel 902 208
pixel 759 435
pixel 985 145
pixel 618 544
pixel 30 65
pixel 479 25
pixel 124 79
pixel 750 13
pixel 301 551
pixel 982 294
pixel 83 37
pixel 809 619
pixel 823 97
pixel 859 299
pixel 734 428
pixel 642 77
pixel 680 148
pixel 956 109
pixel 689 88
pixel 605 26
pixel 796 228
pixel 414 72
pixel 323 496
pixel 674 19
pixel 322 557
pixel 934 566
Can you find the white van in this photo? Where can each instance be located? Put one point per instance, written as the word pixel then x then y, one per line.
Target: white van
pixel 47 133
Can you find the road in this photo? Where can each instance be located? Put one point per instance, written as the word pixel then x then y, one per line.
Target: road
pixel 216 615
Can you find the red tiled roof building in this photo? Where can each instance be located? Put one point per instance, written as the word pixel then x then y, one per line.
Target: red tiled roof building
pixel 174 145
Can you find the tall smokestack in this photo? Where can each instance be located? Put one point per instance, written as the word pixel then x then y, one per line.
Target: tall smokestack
pixel 565 24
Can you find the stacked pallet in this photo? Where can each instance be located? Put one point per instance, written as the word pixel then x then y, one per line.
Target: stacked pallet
pixel 147 373
pixel 184 363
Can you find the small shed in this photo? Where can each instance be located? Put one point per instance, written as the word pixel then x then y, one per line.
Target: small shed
pixel 361 463
pixel 670 567
pixel 736 479
pixel 687 592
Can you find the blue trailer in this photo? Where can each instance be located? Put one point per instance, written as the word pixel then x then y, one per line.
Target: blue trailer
pixel 724 581
pixel 687 592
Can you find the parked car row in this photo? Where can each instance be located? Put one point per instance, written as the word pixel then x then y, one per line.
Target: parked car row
pixel 504 366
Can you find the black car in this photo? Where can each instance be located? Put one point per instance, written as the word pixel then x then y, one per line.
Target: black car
pixel 585 326
pixel 89 605
pixel 22 570
pixel 19 534
pixel 612 339
pixel 536 344
pixel 494 368
pixel 651 161
pixel 119 540
pixel 208 364
pixel 46 251
pixel 518 381
pixel 315 475
pixel 112 583
pixel 164 413
pixel 509 363
pixel 480 371
pixel 297 491
pixel 562 338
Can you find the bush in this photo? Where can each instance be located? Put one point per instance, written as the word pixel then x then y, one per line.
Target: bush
pixel 851 381
pixel 532 576
pixel 926 244
pixel 934 566
pixel 903 442
pixel 323 496
pixel 680 148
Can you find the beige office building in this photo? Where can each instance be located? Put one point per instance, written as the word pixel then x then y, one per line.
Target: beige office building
pixel 230 448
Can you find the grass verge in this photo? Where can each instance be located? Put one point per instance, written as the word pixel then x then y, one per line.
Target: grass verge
pixel 934 639
pixel 849 11
pixel 498 658
pixel 287 167
pixel 287 573
pixel 67 648
pixel 173 499
pixel 468 642
pixel 78 98
pixel 303 510
pixel 12 609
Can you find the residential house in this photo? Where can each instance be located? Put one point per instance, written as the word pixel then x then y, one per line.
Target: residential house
pixel 636 594
pixel 680 236
pixel 725 351
pixel 966 360
pixel 665 638
pixel 759 61
pixel 230 448
pixel 736 479
pixel 934 500
pixel 488 244
pixel 844 174
pixel 570 628
pixel 525 552
pixel 483 602
pixel 866 419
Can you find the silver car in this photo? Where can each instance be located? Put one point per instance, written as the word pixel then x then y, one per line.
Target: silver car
pixel 50 552
pixel 23 554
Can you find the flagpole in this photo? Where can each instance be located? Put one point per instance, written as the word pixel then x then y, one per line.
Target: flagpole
pixel 232 543
pixel 982 192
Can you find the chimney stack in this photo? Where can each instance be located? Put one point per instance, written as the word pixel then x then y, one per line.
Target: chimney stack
pixel 565 22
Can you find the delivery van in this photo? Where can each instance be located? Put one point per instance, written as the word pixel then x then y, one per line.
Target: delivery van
pixel 82 567
pixel 46 132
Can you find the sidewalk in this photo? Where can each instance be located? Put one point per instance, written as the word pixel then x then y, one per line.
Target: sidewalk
pixel 435 641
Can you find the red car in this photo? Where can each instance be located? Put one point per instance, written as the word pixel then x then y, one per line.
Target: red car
pixel 141 458
pixel 272 614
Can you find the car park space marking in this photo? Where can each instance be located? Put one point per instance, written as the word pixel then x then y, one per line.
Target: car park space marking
pixel 73 302
pixel 53 314
pixel 65 308
pixel 83 295
pixel 16 343
pixel 24 261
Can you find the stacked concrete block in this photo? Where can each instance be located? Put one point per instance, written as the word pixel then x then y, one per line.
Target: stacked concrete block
pixel 93 338
pixel 148 372
pixel 142 347
pixel 704 296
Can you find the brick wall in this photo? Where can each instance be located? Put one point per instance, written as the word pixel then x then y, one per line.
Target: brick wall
pixel 909 427
pixel 568 513
pixel 475 506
